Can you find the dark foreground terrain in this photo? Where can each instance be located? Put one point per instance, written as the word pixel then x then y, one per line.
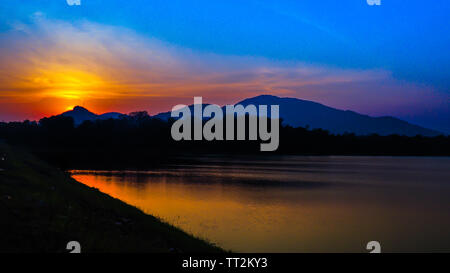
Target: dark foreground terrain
pixel 42 209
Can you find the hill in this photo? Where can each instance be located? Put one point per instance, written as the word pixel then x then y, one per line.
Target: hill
pixel 80 114
pixel 303 113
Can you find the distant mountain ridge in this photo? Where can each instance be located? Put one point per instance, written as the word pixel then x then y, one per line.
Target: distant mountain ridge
pixel 81 114
pixel 303 113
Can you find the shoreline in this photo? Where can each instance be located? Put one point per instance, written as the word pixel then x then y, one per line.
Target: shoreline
pixel 44 209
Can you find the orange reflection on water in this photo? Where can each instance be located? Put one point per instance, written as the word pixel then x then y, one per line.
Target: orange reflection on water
pixel 249 218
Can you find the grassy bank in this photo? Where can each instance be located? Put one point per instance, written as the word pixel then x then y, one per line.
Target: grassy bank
pixel 42 209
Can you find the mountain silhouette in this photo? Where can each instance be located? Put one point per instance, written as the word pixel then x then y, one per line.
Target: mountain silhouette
pixel 303 113
pixel 166 115
pixel 300 113
pixel 313 115
pixel 81 114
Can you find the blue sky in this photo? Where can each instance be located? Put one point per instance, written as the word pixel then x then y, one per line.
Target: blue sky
pixel 407 40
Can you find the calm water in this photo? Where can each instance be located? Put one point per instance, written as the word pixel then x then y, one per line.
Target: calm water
pixel 296 204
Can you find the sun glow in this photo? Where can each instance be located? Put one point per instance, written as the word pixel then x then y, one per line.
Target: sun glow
pixel 62 87
pixel 69 84
pixel 69 108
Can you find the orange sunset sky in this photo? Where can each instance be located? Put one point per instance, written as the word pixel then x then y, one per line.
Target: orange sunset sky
pixel 54 57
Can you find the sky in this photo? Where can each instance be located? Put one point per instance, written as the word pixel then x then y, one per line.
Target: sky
pixel 392 59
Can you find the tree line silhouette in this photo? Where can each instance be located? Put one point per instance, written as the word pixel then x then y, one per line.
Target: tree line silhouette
pixel 140 141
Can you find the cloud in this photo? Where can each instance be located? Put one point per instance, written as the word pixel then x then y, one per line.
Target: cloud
pixel 47 65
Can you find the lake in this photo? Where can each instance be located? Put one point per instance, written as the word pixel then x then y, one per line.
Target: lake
pixel 295 203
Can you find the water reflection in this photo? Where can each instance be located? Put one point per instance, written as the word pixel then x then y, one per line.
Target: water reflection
pixel 296 204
